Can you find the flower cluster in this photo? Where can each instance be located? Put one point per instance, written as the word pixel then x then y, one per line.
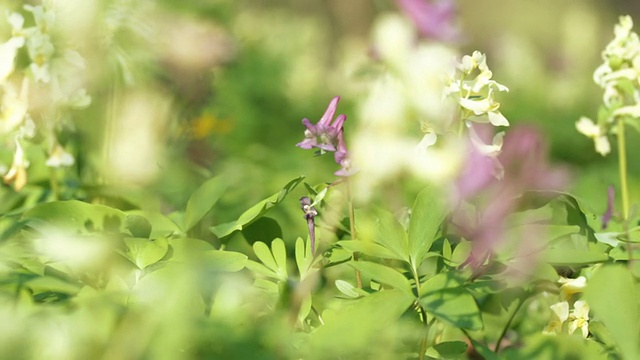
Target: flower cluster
pixel 576 318
pixel 472 88
pixel 433 19
pixel 618 76
pixel 328 136
pixel 53 77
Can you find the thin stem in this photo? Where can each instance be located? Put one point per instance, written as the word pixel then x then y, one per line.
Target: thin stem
pixel 423 315
pixel 352 229
pixel 622 164
pixel 508 325
pixel 622 160
pixel 53 182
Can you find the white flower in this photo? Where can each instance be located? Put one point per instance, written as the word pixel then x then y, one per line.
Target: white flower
pixel 560 314
pixel 59 157
pixel 571 286
pixel 579 318
pixel 587 127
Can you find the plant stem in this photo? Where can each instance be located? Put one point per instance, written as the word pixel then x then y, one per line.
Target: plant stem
pixel 352 229
pixel 53 182
pixel 622 160
pixel 508 325
pixel 622 164
pixel 422 313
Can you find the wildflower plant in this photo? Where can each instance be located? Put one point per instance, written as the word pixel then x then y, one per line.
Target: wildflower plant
pixel 443 230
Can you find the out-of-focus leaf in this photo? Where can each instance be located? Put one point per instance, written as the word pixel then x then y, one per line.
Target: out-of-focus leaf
pixel 428 212
pixel 613 297
pixel 561 346
pixel 145 252
pixel 255 211
pixel 384 274
pixel 448 350
pixel 368 248
pixel 138 226
pixel 263 229
pixel 203 199
pixel 349 290
pixel 391 235
pixel 74 215
pixel 160 224
pixel 230 261
pixel 352 327
pixel 188 250
pixel 42 284
pixel 445 298
pixel 565 256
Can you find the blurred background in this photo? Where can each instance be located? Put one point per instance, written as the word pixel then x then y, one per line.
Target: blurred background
pixel 182 91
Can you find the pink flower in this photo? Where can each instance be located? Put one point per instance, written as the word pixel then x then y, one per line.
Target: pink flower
pixel 523 166
pixel 324 134
pixel 434 19
pixel 327 135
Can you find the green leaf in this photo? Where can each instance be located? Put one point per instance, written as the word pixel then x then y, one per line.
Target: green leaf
pixel 188 250
pixel 368 248
pixel 230 261
pixel 203 199
pixel 391 235
pixel 349 290
pixel 255 211
pixel 274 259
pixel 449 302
pixel 613 297
pixel 76 216
pixel 160 224
pixel 448 350
pixel 565 256
pixel 355 326
pixel 304 258
pixel 138 226
pixel 144 252
pixel 428 212
pixel 383 274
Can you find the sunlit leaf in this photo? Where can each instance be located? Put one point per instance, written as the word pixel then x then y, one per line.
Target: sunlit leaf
pixel 369 248
pixel 445 298
pixel 384 274
pixel 428 212
pixel 224 260
pixel 144 252
pixel 613 297
pixel 203 199
pixel 255 211
pixel 75 216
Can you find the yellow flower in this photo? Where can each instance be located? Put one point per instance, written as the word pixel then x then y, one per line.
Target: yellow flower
pixel 560 314
pixel 17 174
pixel 571 286
pixel 579 318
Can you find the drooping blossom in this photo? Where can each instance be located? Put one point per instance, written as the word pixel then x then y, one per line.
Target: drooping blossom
pixel 433 19
pixel 523 166
pixel 310 213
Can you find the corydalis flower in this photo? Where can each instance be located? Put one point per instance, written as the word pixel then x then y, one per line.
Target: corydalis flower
pixel 323 135
pixel 496 186
pixel 327 135
pixel 434 19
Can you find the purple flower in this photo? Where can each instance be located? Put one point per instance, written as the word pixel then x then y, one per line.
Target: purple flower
pixel 327 135
pixel 525 167
pixel 324 134
pixel 609 212
pixel 434 19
